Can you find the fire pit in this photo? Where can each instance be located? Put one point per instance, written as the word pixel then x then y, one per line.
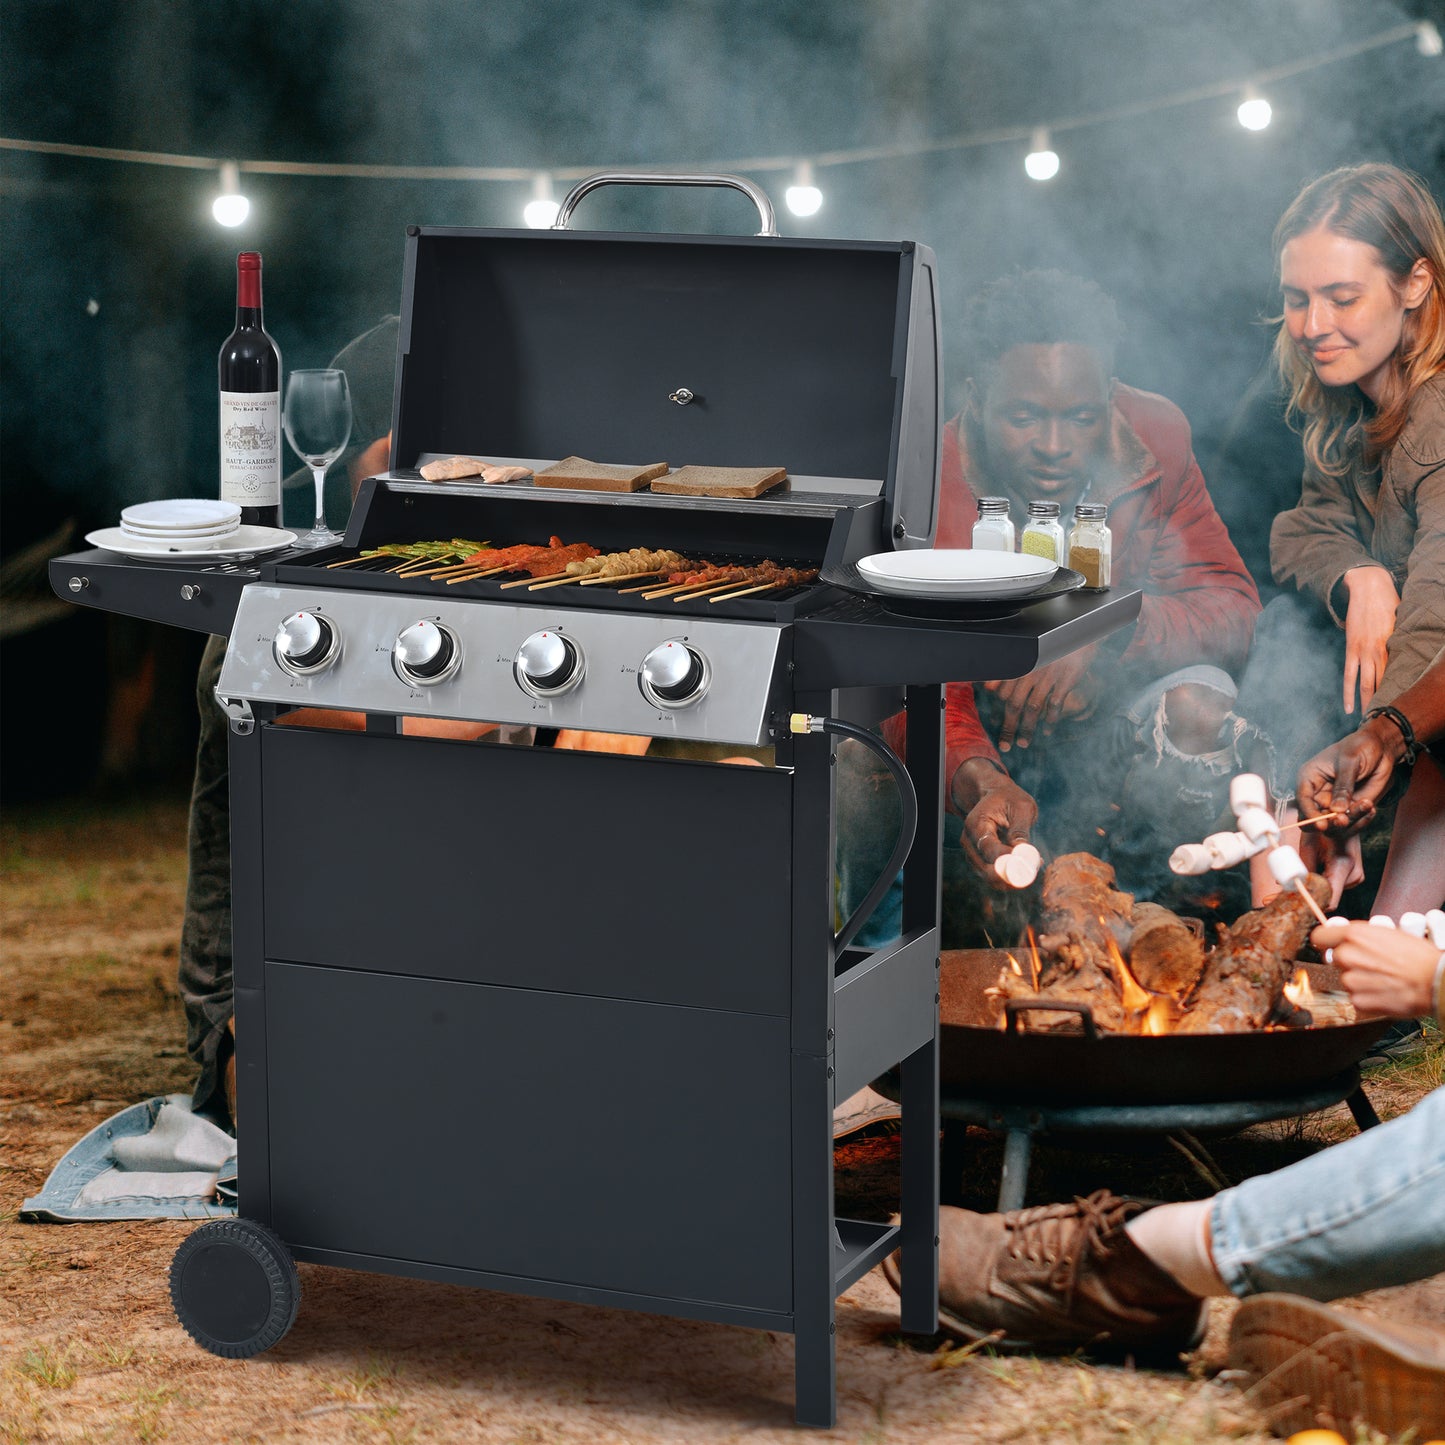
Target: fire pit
pixel 1025 1084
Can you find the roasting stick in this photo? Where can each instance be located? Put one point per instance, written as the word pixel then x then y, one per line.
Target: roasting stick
pixel 472 576
pixel 1304 893
pixel 1320 817
pixel 662 591
pixel 618 577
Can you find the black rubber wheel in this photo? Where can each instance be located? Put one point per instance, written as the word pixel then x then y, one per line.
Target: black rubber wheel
pixel 234 1288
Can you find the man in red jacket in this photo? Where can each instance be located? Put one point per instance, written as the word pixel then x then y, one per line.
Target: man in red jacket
pixel 1123 747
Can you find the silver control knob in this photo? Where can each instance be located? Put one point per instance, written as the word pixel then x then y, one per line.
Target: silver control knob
pixel 547 664
pixel 305 643
pixel 673 674
pixel 426 653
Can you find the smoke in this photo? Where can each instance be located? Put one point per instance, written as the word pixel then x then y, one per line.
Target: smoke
pixel 1170 212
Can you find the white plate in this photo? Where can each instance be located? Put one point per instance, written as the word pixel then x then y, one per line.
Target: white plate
pixel 243 542
pixel 175 534
pixel 184 513
pixel 956 572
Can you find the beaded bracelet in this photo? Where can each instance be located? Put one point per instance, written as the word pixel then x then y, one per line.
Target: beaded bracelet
pixel 1412 748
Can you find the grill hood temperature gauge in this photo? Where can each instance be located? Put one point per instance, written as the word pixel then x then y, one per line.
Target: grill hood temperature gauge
pixel 547 664
pixel 305 644
pixel 674 675
pixel 426 653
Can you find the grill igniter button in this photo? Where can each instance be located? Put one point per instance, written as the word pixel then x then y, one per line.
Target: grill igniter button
pixel 426 653
pixel 547 664
pixel 673 674
pixel 305 644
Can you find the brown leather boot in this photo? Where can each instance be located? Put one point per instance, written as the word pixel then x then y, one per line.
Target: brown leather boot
pixel 1309 1365
pixel 1058 1277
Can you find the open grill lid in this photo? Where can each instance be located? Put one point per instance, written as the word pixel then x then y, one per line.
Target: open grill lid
pixel 821 356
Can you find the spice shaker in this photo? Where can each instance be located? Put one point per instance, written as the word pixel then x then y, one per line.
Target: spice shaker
pixel 994 530
pixel 1091 545
pixel 1044 533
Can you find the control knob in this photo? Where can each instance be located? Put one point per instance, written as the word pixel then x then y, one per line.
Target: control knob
pixel 673 674
pixel 548 664
pixel 426 653
pixel 305 643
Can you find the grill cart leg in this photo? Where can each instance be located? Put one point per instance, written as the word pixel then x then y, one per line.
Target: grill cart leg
pixel 814 1244
pixel 919 1191
pixel 234 1288
pixel 1362 1109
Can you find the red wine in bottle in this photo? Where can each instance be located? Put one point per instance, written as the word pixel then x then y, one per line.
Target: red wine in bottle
pixel 250 367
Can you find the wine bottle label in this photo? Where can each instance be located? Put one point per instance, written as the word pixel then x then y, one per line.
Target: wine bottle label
pixel 251 448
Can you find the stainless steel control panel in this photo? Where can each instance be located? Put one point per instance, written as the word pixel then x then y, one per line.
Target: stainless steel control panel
pixel 682 677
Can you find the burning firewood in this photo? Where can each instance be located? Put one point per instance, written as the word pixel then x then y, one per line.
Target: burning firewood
pixel 1245 975
pixel 1165 953
pixel 1138 968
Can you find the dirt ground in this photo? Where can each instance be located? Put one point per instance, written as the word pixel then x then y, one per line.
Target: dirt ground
pixel 90 1351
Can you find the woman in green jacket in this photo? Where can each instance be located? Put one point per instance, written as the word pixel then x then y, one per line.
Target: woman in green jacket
pixel 1361 349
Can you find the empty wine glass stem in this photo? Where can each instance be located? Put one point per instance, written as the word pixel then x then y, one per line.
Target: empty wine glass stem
pixel 320 474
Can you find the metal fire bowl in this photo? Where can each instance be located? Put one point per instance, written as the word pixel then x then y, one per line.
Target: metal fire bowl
pixel 978 1059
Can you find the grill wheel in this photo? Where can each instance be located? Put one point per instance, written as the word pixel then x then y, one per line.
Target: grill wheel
pixel 234 1288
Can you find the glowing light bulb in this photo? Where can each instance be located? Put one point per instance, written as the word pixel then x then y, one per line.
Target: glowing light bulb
pixel 541 210
pixel 1041 163
pixel 1427 38
pixel 230 208
pixel 1254 112
pixel 803 197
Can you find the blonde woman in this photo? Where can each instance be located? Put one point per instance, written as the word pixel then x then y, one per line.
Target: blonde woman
pixel 1361 349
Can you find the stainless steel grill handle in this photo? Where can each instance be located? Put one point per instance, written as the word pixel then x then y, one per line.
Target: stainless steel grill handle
pixel 755 193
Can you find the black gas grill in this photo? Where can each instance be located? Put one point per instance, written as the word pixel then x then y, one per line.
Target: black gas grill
pixel 449 956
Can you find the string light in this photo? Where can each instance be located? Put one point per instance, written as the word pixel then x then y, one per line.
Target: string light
pixel 1042 161
pixel 541 210
pixel 803 197
pixel 230 208
pixel 1254 111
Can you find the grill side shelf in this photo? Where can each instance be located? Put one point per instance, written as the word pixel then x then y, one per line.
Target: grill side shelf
pixel 203 599
pixel 858 644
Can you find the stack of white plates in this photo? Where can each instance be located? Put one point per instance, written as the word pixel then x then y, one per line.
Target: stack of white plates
pixel 956 572
pixel 193 521
pixel 185 528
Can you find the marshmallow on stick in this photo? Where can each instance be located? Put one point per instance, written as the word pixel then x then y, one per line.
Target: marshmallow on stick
pixel 1019 866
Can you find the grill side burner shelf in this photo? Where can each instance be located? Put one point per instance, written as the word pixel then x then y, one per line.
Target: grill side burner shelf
pixel 449 956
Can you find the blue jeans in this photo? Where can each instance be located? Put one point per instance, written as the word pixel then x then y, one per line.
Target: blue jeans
pixel 1361 1215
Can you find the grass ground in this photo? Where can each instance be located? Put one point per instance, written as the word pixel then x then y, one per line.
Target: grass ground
pixel 90 903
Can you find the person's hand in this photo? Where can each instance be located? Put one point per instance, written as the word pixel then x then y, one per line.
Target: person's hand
pixel 1388 974
pixel 1350 775
pixel 1338 860
pixel 1066 688
pixel 997 814
pixel 1369 621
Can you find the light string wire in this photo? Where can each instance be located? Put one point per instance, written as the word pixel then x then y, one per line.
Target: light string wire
pixel 965 140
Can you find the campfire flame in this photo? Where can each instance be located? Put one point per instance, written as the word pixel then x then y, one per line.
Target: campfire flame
pixel 1034 961
pixel 1298 990
pixel 1132 994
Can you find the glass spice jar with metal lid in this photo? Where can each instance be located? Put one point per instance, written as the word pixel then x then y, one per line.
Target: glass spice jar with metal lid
pixel 1044 533
pixel 994 530
pixel 1091 545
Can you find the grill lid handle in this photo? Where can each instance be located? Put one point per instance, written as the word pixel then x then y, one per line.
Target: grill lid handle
pixel 754 193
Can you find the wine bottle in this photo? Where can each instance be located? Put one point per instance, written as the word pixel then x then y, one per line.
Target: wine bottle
pixel 250 373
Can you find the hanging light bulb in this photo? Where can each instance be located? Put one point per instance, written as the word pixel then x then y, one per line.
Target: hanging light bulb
pixel 1427 38
pixel 230 208
pixel 803 197
pixel 1042 162
pixel 1254 111
pixel 541 210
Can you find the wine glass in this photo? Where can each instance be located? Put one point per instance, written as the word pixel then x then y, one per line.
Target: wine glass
pixel 317 418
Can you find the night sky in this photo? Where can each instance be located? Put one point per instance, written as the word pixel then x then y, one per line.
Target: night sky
pixel 117 287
